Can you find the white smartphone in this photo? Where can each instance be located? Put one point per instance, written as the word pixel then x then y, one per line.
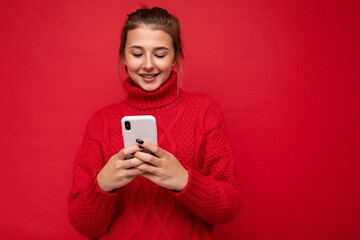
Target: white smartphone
pixel 142 127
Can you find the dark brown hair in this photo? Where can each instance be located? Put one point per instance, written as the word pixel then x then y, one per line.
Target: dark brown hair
pixel 159 19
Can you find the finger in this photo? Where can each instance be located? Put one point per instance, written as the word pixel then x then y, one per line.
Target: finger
pixel 127 151
pixel 131 163
pixel 130 156
pixel 158 151
pixel 132 172
pixel 148 158
pixel 147 168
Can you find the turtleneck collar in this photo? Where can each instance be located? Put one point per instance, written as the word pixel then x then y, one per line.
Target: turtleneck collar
pixel 165 94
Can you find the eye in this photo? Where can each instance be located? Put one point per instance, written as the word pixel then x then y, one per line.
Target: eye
pixel 159 55
pixel 137 55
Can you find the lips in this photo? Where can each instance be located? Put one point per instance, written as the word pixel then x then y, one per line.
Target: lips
pixel 149 77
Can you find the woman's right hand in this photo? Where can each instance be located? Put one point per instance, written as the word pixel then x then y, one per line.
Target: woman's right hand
pixel 119 171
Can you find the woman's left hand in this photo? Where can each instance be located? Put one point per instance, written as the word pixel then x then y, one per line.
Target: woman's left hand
pixel 163 169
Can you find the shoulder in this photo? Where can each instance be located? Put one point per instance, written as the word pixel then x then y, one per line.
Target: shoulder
pixel 199 99
pixel 109 110
pixel 99 121
pixel 209 110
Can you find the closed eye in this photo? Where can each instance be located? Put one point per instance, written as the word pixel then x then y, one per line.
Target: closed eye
pixel 137 55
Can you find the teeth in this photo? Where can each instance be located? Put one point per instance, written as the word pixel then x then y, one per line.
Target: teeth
pixel 149 76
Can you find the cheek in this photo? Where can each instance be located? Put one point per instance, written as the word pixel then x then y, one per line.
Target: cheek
pixel 165 65
pixel 133 64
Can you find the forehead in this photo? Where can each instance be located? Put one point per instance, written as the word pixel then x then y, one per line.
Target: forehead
pixel 148 37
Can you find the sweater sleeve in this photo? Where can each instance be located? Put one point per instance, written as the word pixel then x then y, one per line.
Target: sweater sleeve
pixel 212 192
pixel 91 210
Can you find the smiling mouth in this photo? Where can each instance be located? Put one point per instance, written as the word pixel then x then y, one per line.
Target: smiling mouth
pixel 149 76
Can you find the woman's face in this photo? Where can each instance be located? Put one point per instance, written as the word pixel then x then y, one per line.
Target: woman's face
pixel 149 57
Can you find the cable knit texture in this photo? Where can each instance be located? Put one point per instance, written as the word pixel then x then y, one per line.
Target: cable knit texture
pixel 191 127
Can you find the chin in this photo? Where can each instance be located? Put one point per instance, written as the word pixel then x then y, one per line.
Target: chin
pixel 150 88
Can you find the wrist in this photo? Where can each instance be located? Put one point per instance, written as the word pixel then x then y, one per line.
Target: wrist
pixel 184 182
pixel 100 185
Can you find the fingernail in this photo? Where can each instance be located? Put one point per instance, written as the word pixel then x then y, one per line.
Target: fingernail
pixel 129 156
pixel 138 140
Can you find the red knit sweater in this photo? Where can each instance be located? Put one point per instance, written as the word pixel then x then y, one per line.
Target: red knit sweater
pixel 191 127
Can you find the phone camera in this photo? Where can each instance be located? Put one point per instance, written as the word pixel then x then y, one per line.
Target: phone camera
pixel 127 125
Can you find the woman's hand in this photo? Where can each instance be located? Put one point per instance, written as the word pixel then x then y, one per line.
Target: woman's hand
pixel 118 171
pixel 163 169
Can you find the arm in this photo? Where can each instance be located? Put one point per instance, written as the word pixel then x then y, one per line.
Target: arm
pixel 213 192
pixel 91 210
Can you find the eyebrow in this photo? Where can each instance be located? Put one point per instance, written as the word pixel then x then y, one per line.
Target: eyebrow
pixel 157 48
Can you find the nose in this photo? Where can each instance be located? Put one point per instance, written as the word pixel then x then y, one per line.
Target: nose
pixel 148 64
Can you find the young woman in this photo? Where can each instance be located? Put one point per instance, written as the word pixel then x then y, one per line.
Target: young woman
pixel 188 184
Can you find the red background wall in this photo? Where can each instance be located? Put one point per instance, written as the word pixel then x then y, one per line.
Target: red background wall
pixel 284 73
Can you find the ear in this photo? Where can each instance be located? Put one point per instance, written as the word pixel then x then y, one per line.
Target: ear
pixel 175 61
